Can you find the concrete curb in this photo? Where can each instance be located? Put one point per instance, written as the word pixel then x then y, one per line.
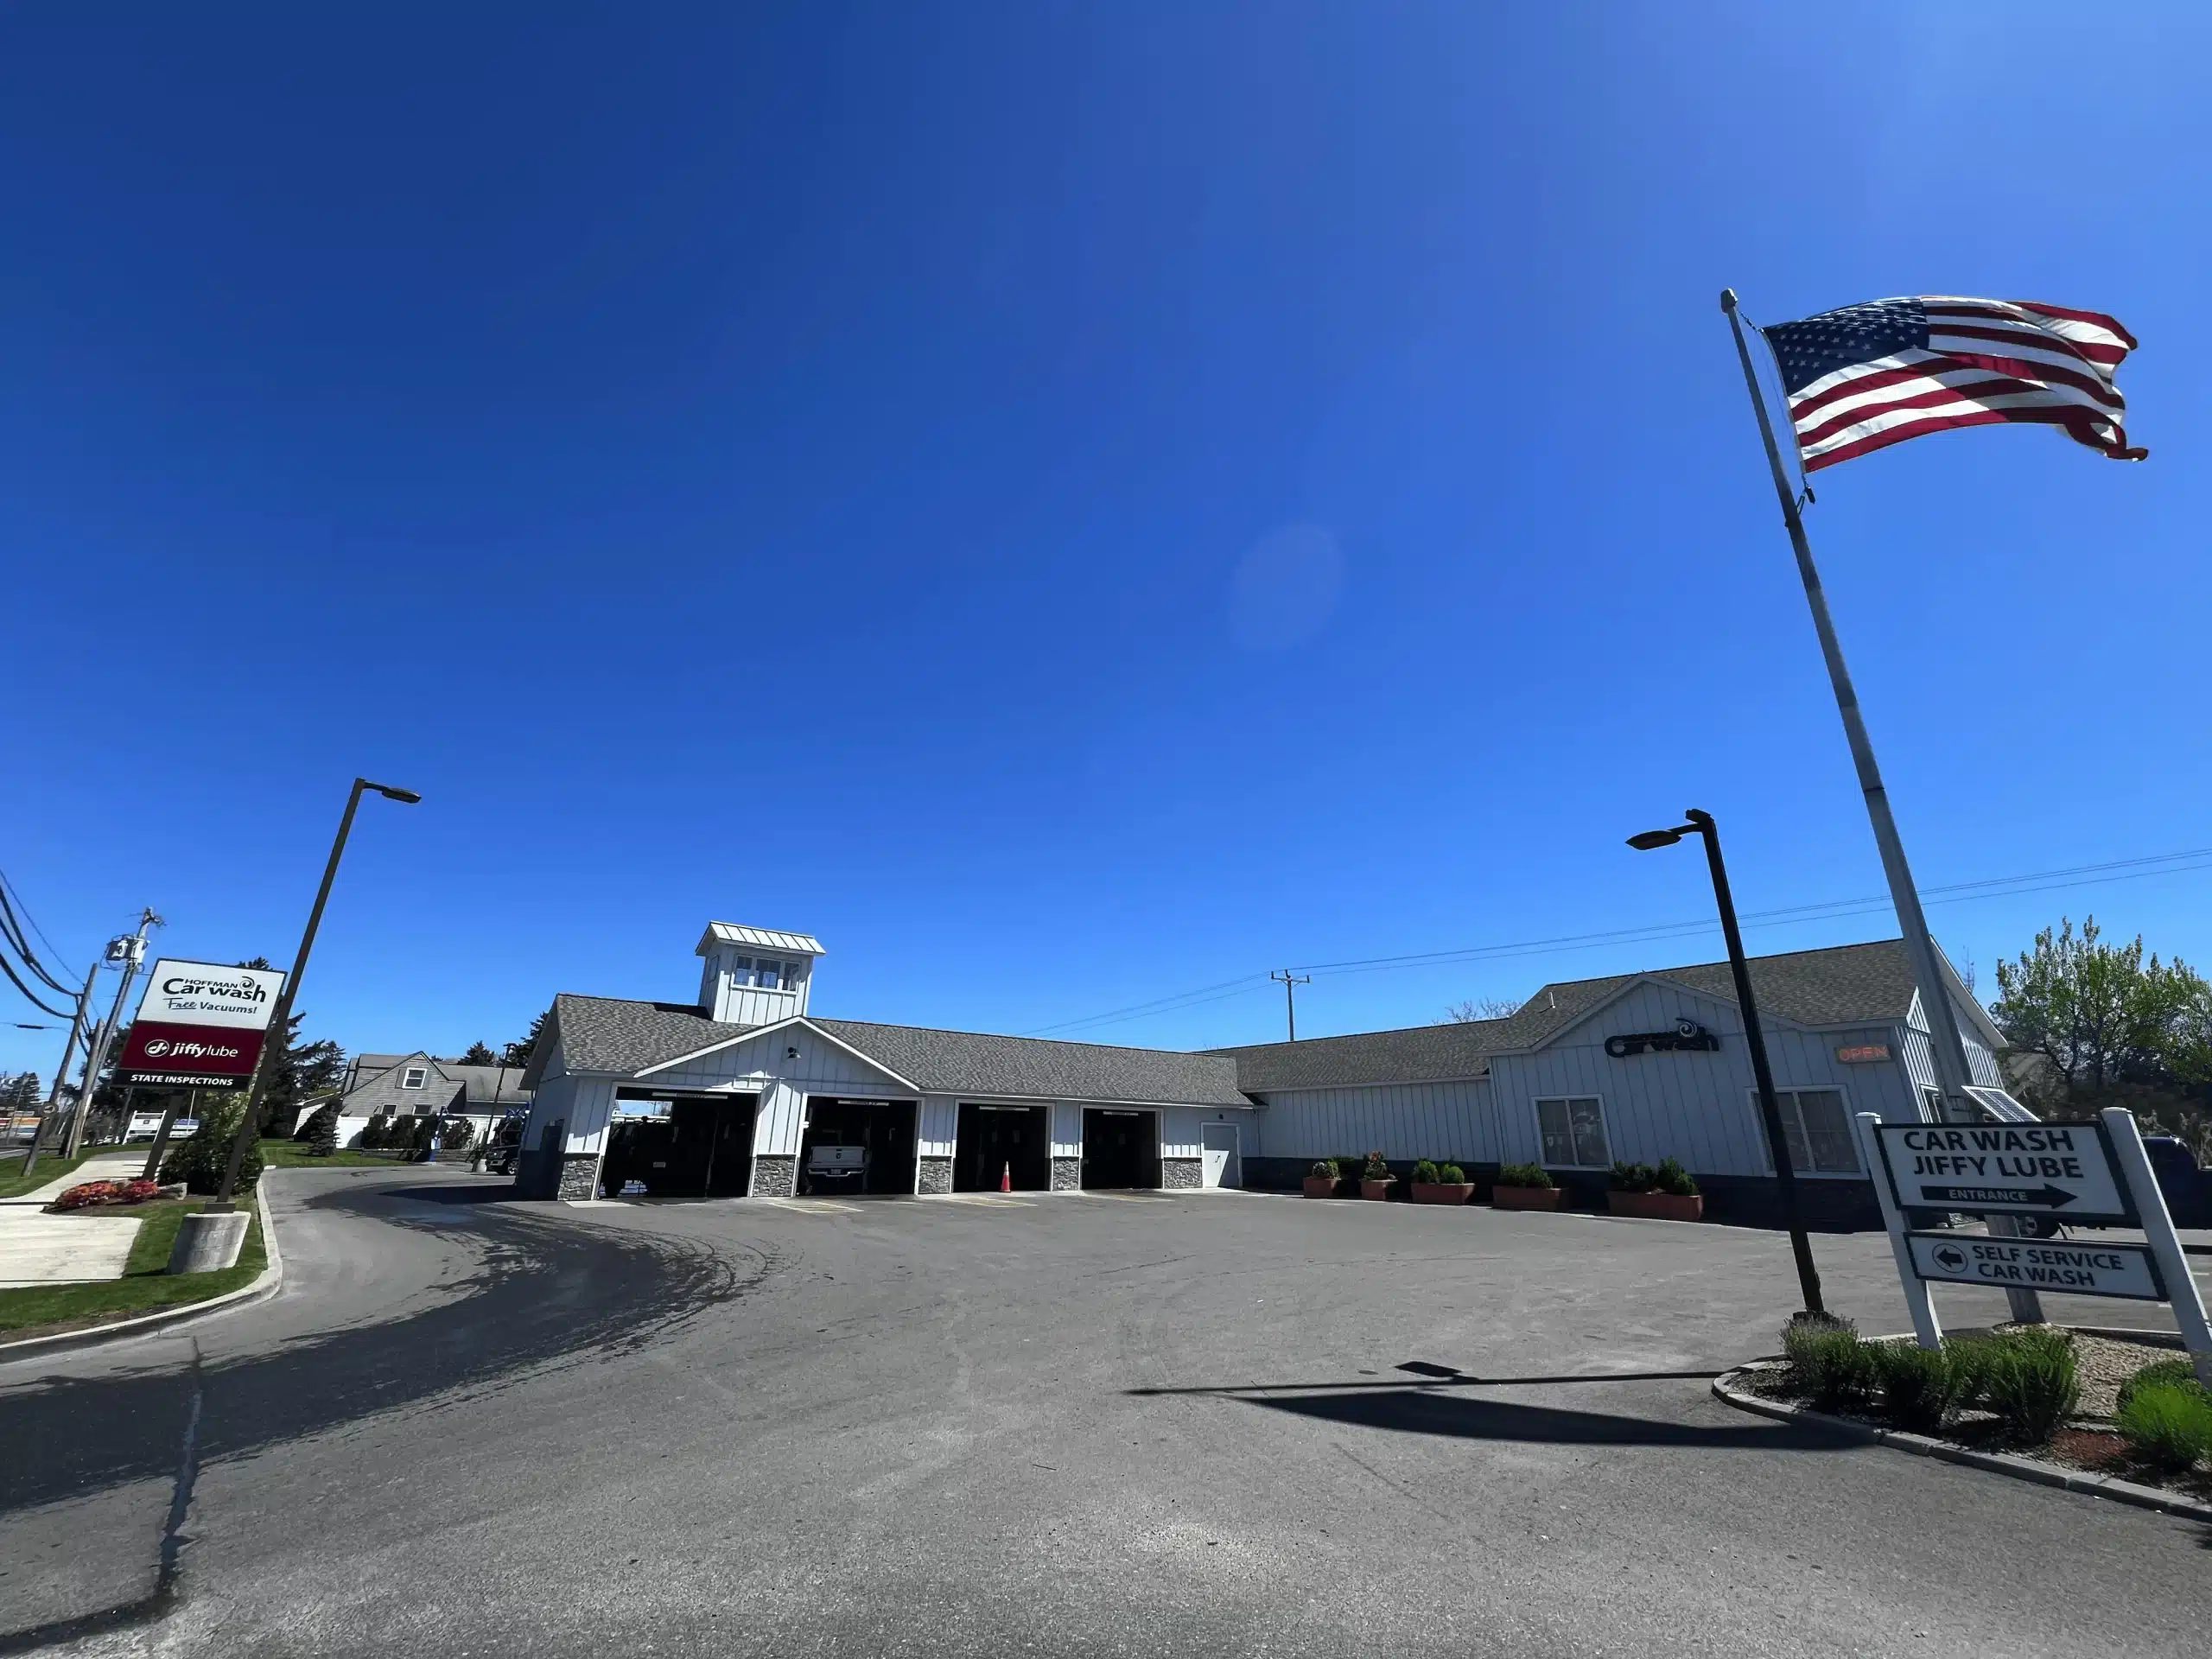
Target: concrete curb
pixel 146 1324
pixel 1997 1463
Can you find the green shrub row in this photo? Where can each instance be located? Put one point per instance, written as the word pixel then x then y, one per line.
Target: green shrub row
pixel 1525 1175
pixel 1426 1174
pixel 2027 1379
pixel 1669 1176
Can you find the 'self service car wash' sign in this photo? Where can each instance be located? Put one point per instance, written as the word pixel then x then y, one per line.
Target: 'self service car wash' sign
pixel 2057 1169
pixel 200 1027
pixel 2038 1264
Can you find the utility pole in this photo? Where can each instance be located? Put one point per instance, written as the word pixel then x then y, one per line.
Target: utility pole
pixel 1290 996
pixel 80 1021
pixel 130 951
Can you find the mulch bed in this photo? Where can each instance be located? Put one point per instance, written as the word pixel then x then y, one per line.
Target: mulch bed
pixel 2088 1443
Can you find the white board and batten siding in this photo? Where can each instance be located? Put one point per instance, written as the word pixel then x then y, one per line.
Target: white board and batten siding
pixel 1697 1106
pixel 1444 1120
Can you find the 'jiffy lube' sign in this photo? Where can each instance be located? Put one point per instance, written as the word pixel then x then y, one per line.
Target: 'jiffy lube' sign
pixel 200 1026
pixel 2062 1169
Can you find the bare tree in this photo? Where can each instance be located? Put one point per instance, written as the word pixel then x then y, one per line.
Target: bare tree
pixel 1477 1008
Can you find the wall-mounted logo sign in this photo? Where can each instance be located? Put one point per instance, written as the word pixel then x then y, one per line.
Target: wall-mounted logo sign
pixel 1863 1053
pixel 1686 1034
pixel 199 1027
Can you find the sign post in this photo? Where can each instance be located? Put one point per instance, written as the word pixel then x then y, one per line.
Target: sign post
pixel 2092 1173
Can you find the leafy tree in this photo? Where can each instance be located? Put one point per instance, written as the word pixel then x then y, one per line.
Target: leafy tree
pixel 2103 1025
pixel 20 1092
pixel 518 1054
pixel 479 1053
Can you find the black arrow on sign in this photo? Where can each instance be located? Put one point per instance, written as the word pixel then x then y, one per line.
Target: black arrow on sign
pixel 2049 1198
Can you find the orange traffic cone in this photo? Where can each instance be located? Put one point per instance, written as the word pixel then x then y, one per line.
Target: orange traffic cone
pixel 1006 1177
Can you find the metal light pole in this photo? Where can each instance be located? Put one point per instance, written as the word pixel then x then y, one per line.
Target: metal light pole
pixel 1701 823
pixel 280 1018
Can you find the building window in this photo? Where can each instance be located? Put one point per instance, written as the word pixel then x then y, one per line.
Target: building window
pixel 415 1077
pixel 771 978
pixel 1816 1127
pixel 1573 1133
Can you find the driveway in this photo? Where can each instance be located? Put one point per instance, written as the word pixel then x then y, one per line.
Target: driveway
pixel 1210 1423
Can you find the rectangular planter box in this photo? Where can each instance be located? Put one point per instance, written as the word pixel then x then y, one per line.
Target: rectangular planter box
pixel 1443 1192
pixel 1659 1207
pixel 1526 1197
pixel 1320 1186
pixel 1375 1190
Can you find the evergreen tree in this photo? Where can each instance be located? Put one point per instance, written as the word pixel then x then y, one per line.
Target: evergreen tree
pixel 321 1130
pixel 518 1054
pixel 479 1053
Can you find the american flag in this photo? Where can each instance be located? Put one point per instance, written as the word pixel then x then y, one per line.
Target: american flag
pixel 1872 375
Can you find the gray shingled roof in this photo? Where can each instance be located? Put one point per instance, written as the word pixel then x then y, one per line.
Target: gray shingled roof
pixel 600 1034
pixel 1841 985
pixel 607 1033
pixel 1031 1068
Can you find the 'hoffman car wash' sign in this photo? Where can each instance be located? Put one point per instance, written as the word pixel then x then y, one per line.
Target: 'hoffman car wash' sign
pixel 200 1027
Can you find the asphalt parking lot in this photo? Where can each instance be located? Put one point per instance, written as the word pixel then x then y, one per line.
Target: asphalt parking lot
pixel 1210 1423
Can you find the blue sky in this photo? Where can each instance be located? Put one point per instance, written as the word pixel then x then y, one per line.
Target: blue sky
pixel 1069 505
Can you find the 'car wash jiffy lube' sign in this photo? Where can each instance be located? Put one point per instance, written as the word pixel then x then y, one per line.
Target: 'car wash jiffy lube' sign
pixel 200 1026
pixel 2014 1168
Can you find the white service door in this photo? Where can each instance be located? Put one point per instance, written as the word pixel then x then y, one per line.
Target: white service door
pixel 1220 1164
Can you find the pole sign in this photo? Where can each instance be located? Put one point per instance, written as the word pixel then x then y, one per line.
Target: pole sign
pixel 2038 1264
pixel 2065 1170
pixel 200 1026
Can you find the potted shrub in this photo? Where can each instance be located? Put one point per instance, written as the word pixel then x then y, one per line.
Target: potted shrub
pixel 1321 1179
pixel 1348 1167
pixel 1374 1177
pixel 1667 1194
pixel 1444 1183
pixel 1525 1186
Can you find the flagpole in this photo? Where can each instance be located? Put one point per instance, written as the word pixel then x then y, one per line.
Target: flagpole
pixel 1947 1046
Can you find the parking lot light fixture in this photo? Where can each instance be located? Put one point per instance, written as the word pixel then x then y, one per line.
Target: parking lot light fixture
pixel 280 1018
pixel 1701 823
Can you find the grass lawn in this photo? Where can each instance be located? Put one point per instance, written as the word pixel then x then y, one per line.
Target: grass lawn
pixel 13 1183
pixel 292 1154
pixel 144 1288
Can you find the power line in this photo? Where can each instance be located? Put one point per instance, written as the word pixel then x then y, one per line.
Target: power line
pixel 11 925
pixel 2079 876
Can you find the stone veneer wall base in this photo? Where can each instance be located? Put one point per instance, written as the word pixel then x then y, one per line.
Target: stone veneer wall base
pixel 1181 1173
pixel 579 1176
pixel 775 1175
pixel 934 1176
pixel 1067 1174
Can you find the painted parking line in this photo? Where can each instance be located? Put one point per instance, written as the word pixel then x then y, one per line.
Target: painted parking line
pixel 815 1206
pixel 1129 1197
pixel 999 1199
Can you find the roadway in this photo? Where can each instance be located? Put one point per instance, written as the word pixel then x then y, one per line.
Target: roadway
pixel 1058 1425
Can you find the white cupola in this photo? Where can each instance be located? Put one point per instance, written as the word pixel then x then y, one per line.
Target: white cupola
pixel 755 975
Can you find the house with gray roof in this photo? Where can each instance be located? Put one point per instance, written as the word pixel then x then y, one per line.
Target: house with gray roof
pixel 748 1091
pixel 422 1085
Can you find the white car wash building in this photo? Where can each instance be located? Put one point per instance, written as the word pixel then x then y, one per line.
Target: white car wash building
pixel 1633 1068
pixel 748 1093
